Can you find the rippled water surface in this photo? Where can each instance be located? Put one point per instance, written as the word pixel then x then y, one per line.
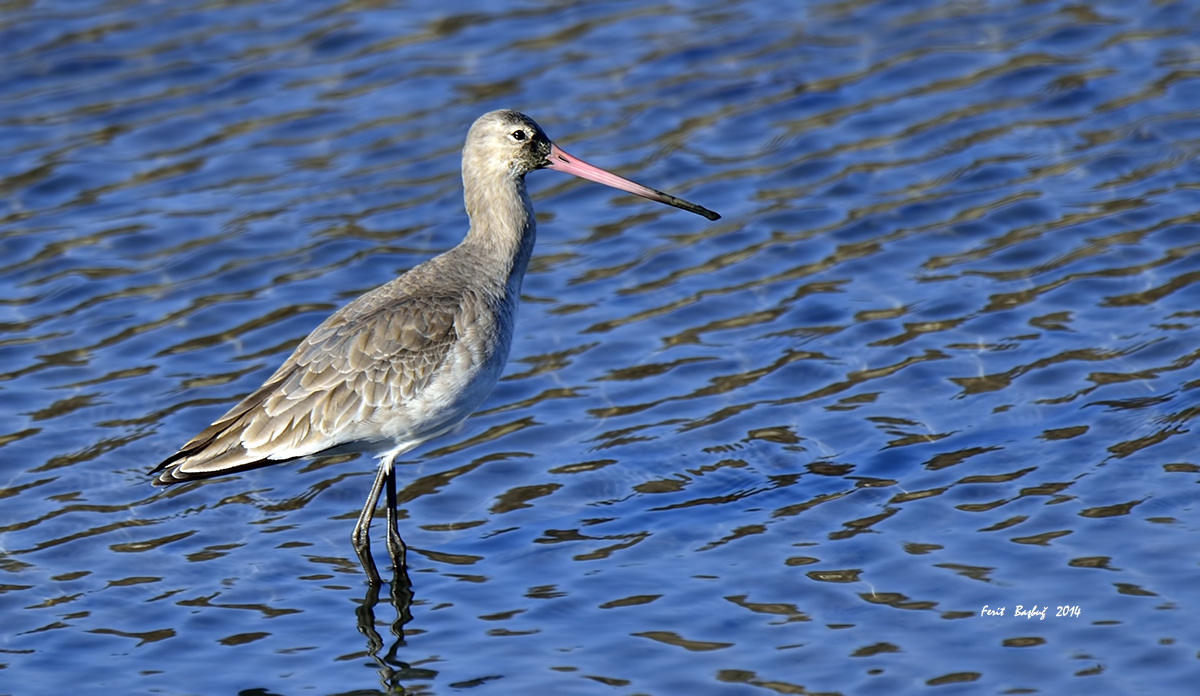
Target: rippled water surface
pixel 940 354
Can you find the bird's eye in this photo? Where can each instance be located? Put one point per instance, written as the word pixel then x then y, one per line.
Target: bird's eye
pixel 518 135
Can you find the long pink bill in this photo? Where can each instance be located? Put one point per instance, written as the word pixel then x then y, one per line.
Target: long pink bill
pixel 560 161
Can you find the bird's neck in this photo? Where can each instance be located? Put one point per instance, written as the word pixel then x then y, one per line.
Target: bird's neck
pixel 503 229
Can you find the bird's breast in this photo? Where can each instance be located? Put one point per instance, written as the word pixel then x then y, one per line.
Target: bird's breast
pixel 466 376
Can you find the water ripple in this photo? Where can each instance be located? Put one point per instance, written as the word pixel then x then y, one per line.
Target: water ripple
pixel 937 356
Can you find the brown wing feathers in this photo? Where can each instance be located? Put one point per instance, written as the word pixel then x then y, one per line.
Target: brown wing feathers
pixel 368 356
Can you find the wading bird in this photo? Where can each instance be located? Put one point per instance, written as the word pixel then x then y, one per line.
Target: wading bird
pixel 412 359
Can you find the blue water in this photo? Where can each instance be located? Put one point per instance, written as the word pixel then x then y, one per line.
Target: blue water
pixel 938 359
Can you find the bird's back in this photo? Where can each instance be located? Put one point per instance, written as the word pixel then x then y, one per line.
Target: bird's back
pixel 397 366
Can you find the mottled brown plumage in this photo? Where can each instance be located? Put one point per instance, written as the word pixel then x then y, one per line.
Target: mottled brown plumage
pixel 358 367
pixel 412 359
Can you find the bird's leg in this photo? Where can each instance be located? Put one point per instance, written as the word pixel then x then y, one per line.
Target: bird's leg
pixel 361 538
pixel 396 547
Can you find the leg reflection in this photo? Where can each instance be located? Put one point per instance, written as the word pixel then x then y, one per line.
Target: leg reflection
pixel 392 670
